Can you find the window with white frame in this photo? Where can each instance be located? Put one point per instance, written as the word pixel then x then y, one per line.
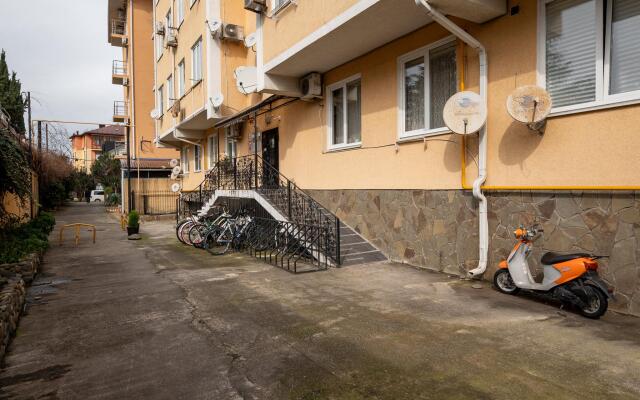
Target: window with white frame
pixel 345 116
pixel 179 11
pixel 427 78
pixel 181 79
pixel 160 97
pixel 589 52
pixel 212 150
pixel 170 93
pixel 169 21
pixel 197 157
pixel 184 159
pixel 230 143
pixel 196 62
pixel 158 42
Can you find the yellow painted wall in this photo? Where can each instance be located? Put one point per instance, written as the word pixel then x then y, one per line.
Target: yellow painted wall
pixel 23 209
pixel 588 148
pixel 142 82
pixel 299 21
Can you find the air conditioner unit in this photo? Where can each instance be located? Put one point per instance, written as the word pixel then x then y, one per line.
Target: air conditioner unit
pixel 155 114
pixel 257 6
pixel 234 131
pixel 311 86
pixel 125 82
pixel 233 32
pixel 159 28
pixel 125 41
pixel 172 40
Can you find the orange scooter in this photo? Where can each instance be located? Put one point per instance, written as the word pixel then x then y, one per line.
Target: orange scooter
pixel 570 278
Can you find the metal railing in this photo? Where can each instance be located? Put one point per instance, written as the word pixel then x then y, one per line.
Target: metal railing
pixel 118 27
pixel 154 203
pixel 120 108
pixel 119 68
pixel 253 173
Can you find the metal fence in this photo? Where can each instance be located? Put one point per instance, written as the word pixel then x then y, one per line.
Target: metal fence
pixel 154 203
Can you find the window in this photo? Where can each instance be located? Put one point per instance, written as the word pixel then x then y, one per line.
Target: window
pixel 181 79
pixel 427 78
pixel 197 156
pixel 196 62
pixel 169 21
pixel 158 45
pixel 160 96
pixel 179 6
pixel 230 143
pixel 170 94
pixel 344 119
pixel 589 53
pixel 212 150
pixel 184 159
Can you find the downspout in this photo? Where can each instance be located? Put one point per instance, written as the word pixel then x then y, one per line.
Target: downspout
pixel 482 147
pixel 133 86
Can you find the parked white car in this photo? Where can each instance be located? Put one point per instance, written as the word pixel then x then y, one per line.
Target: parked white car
pixel 97 196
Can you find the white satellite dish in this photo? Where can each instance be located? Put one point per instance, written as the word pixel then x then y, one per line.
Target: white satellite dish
pixel 251 40
pixel 530 105
pixel 217 100
pixel 175 187
pixel 465 113
pixel 215 27
pixel 173 163
pixel 174 176
pixel 246 79
pixel 176 170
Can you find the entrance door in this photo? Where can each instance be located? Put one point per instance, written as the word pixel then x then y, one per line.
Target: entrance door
pixel 271 156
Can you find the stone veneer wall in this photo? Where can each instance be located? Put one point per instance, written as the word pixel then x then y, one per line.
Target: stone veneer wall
pixel 437 229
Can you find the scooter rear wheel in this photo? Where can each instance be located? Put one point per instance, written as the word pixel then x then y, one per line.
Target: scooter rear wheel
pixel 504 283
pixel 597 303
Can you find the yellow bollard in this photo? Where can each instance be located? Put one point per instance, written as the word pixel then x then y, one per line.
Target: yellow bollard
pixel 77 227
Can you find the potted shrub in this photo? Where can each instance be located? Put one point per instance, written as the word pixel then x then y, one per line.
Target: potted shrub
pixel 133 224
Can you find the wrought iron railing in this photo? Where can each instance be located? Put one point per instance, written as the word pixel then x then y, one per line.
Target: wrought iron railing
pixel 253 173
pixel 118 27
pixel 120 109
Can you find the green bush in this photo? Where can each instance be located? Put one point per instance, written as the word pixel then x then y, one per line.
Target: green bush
pixel 134 219
pixel 20 240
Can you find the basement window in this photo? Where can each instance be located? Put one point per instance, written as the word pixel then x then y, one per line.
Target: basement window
pixel 588 53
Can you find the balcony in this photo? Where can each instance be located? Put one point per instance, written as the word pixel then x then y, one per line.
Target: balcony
pixel 118 33
pixel 119 75
pixel 349 35
pixel 120 111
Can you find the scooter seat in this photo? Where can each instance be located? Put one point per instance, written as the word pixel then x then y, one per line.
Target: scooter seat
pixel 551 258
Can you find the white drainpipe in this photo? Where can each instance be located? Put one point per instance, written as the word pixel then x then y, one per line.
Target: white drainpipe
pixel 482 148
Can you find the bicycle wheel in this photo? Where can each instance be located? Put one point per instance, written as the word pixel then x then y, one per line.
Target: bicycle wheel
pixel 218 242
pixel 179 226
pixel 182 235
pixel 197 234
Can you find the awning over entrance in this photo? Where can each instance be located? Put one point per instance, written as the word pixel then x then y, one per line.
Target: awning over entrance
pixel 241 115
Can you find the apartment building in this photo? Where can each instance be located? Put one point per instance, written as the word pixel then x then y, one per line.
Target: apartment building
pixel 199 48
pixel 89 145
pixel 370 144
pixel 130 26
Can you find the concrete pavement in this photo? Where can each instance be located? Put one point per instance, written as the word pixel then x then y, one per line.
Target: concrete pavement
pixel 155 319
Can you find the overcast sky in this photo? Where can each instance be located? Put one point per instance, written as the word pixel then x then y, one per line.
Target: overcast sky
pixel 60 51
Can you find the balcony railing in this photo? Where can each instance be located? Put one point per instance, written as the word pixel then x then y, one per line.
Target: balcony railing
pixel 119 68
pixel 120 111
pixel 118 27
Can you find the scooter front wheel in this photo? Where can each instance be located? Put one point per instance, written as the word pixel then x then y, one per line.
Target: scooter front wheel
pixel 504 283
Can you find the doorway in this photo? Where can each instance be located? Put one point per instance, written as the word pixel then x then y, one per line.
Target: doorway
pixel 271 157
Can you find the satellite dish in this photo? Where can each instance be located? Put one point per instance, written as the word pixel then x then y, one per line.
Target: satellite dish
pixel 217 100
pixel 251 40
pixel 175 187
pixel 176 170
pixel 465 113
pixel 246 79
pixel 530 105
pixel 215 27
pixel 174 176
pixel 173 163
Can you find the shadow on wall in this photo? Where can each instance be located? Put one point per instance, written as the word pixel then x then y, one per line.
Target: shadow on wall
pixel 517 144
